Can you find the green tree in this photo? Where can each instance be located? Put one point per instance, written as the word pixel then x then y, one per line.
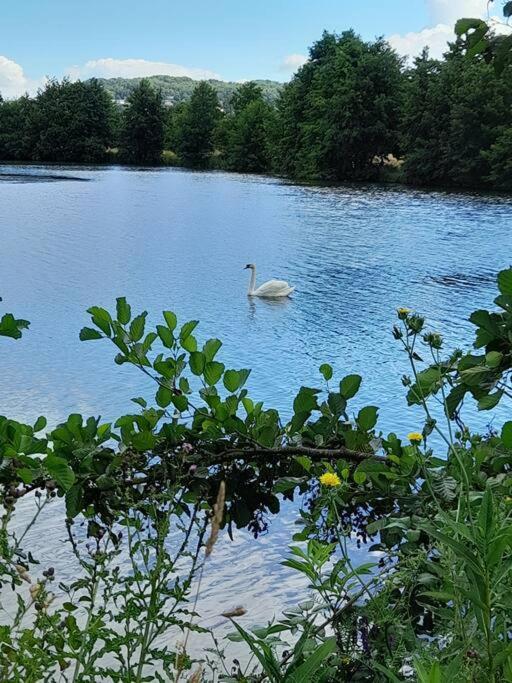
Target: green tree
pixel 142 137
pixel 244 95
pixel 453 114
pixel 196 135
pixel 499 158
pixel 245 133
pixel 340 112
pixel 173 126
pixel 72 121
pixel 17 134
pixel 425 122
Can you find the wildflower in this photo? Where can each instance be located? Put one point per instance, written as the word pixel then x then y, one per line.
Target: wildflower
pixel 433 339
pixel 22 571
pixel 330 479
pixel 35 589
pixel 415 323
pixel 415 437
pixel 403 312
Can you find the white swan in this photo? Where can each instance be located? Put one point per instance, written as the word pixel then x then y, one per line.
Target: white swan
pixel 271 289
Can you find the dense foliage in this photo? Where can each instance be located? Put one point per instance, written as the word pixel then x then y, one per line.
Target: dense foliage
pixel 66 122
pixel 146 498
pixel 142 132
pixel 340 113
pixel 450 140
pixel 197 123
pixel 178 89
pixel 354 111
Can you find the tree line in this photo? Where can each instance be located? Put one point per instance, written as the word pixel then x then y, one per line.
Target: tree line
pixel 354 111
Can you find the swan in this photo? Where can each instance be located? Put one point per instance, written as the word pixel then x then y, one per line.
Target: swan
pixel 271 289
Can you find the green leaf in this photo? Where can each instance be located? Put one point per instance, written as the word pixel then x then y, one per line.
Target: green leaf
pixel 143 441
pixel 166 336
pixel 305 401
pixel 171 320
pixel 389 674
pixel 188 328
pixel 40 423
pixel 490 401
pixel 74 500
pixel 505 282
pixel 367 418
pixel 337 404
pixel 262 652
pixel 101 318
pixel 59 470
pixel 163 396
pixel 486 514
pixel 180 402
pixel 210 348
pixel 285 484
pixel 483 319
pixel 493 359
pixel 10 327
pixel 197 362
pixel 326 371
pixel 349 385
pixel 26 475
pixel 124 311
pixel 231 380
pixel 137 327
pixel 454 399
pixel 359 477
pixel 87 334
pixel 189 343
pixel 213 372
pixel 506 434
pixel 464 25
pixel 307 671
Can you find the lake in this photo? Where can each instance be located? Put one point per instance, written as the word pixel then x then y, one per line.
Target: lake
pixel 172 239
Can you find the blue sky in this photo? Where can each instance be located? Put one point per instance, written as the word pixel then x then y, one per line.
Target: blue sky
pixel 232 39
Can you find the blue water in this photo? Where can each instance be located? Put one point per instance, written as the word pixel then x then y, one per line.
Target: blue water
pixel 173 239
pixel 176 239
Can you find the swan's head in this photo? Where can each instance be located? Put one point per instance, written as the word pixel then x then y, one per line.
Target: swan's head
pixel 251 266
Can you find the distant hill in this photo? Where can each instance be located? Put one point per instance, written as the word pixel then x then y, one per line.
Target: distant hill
pixel 177 89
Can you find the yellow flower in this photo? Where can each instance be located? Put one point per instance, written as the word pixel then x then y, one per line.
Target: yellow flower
pixel 415 437
pixel 403 312
pixel 330 479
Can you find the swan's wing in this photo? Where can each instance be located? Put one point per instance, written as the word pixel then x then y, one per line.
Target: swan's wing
pixel 273 288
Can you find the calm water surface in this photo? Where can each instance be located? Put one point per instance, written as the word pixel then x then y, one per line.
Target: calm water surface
pixel 172 239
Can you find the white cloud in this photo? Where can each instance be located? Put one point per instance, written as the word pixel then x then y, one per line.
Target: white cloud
pixel 444 14
pixel 411 44
pixel 13 81
pixel 132 68
pixel 292 62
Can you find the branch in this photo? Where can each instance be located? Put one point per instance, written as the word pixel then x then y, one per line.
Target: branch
pixel 290 451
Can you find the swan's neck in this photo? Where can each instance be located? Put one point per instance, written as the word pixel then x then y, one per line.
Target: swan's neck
pixel 252 283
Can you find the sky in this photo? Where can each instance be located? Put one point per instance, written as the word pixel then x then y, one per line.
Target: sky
pixel 228 39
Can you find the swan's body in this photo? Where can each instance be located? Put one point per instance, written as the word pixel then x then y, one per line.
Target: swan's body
pixel 272 289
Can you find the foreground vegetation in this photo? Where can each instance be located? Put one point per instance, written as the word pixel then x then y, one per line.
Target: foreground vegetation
pixel 354 111
pixel 142 502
